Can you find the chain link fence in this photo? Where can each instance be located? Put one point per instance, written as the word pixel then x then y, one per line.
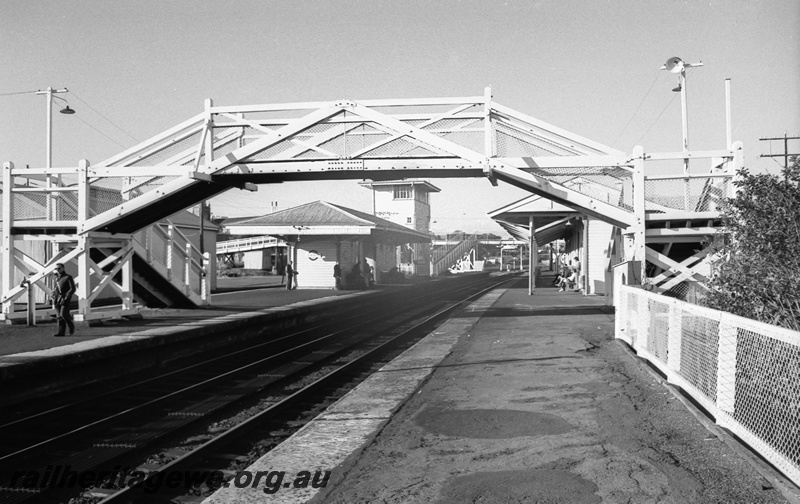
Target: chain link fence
pixel 745 373
pixel 691 195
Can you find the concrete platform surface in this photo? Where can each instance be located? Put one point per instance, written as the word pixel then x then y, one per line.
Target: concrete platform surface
pixel 517 399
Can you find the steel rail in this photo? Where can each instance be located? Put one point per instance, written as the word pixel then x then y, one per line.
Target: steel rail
pixel 203 452
pixel 187 389
pixel 205 383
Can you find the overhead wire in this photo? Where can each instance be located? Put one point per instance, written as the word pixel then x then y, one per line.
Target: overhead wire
pixel 97 130
pixel 656 119
pixel 104 117
pixel 655 79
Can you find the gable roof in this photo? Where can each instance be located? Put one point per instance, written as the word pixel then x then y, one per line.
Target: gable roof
pixel 317 213
pixel 318 217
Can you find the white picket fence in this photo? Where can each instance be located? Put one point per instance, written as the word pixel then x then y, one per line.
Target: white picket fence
pixel 744 373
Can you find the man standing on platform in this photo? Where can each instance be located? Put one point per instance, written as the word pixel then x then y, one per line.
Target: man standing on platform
pixel 62 297
pixel 337 275
pixel 290 274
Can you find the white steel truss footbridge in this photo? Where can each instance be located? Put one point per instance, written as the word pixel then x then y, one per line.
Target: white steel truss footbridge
pixel 94 214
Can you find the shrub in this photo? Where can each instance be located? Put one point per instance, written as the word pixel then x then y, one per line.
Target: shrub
pixel 756 273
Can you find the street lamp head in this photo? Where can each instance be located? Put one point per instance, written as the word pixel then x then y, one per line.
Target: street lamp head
pixel 67 110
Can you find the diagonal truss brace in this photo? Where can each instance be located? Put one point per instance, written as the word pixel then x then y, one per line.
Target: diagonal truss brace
pixel 216 166
pixel 495 167
pixel 675 272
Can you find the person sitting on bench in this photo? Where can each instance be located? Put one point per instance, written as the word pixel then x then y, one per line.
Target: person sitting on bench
pixel 568 282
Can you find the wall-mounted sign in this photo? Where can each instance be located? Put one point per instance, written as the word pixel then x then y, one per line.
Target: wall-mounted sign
pixel 313 255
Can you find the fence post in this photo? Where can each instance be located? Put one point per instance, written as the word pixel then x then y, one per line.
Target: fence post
pixel 726 371
pixel 674 335
pixel 642 321
pixel 620 314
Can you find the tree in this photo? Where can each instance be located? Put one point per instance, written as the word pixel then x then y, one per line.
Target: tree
pixel 756 273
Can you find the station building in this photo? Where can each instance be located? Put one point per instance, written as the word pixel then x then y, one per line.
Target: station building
pixel 319 234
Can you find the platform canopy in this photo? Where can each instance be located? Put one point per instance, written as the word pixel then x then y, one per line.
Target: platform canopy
pixel 551 220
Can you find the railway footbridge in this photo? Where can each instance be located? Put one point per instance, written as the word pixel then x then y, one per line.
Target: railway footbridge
pixel 93 214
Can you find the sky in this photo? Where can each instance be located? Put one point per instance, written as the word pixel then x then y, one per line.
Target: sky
pixel 134 69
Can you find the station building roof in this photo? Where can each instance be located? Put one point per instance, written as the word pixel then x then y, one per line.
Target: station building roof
pixel 321 218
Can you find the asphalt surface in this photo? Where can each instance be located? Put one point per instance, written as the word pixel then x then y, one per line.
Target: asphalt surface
pixel 538 404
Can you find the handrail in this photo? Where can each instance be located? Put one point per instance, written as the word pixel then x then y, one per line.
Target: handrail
pixel 449 257
pixel 188 252
pixel 226 246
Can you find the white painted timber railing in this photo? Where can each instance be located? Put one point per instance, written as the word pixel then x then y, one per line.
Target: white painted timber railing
pixel 445 259
pixel 249 243
pixel 172 254
pixel 744 373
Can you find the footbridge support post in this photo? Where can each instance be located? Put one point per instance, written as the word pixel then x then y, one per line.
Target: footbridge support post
pixel 533 258
pixel 7 273
pixel 637 230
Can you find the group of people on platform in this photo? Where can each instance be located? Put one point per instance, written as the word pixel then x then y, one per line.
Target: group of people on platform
pixel 361 275
pixel 569 275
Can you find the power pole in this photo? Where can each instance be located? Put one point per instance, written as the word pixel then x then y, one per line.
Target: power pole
pixel 786 154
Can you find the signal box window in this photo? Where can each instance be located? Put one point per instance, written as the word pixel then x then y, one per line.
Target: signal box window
pixel 402 192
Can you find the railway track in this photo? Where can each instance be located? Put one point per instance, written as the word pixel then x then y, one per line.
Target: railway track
pixel 285 377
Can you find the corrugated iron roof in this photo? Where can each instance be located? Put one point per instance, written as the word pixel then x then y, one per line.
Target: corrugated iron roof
pixel 322 213
pixel 317 213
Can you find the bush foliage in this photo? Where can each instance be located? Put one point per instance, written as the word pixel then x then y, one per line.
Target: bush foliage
pixel 756 273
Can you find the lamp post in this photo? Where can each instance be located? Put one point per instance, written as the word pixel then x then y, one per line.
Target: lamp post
pixel 49 92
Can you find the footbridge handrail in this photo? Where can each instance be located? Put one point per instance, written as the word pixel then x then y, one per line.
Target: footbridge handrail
pixel 449 257
pixel 248 243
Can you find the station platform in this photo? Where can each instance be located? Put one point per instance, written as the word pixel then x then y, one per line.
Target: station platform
pixel 238 305
pixel 518 398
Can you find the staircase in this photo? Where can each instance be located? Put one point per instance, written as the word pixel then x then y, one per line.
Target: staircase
pixel 444 259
